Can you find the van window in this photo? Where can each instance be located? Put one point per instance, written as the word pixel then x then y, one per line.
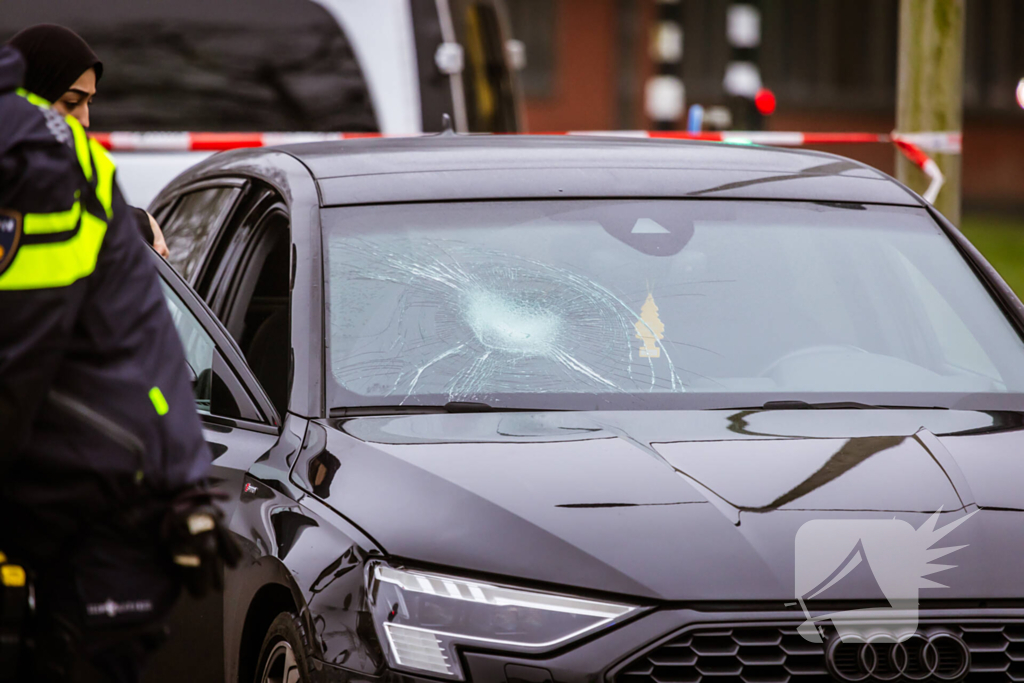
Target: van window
pixel 485 77
pixel 213 65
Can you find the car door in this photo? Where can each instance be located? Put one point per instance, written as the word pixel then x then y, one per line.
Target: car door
pixel 241 426
pixel 247 282
pixel 193 221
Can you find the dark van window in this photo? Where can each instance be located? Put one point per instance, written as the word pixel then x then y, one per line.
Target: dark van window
pixel 485 77
pixel 193 224
pixel 214 65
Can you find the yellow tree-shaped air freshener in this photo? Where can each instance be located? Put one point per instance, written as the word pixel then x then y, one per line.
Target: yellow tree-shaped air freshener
pixel 649 328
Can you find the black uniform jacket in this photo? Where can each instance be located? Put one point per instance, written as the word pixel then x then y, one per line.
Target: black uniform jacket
pixel 106 340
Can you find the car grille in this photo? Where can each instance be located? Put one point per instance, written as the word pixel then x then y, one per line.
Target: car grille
pixel 776 653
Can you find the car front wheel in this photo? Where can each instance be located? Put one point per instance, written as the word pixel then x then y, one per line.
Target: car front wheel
pixel 283 655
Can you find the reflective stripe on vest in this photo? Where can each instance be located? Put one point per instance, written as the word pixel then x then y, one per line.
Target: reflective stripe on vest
pixel 57 264
pixel 43 260
pixel 33 98
pixel 105 170
pixel 60 221
pixel 81 147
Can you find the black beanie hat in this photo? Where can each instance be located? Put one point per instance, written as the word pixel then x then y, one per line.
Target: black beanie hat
pixel 54 58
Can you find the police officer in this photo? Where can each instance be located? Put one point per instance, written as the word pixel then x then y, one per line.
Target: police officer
pixel 102 458
pixel 62 68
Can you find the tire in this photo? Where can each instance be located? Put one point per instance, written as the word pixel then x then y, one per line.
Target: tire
pixel 283 657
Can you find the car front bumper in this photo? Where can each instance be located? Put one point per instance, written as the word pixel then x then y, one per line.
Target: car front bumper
pixel 608 656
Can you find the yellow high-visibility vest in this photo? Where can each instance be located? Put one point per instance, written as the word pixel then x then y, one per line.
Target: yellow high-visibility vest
pixel 75 235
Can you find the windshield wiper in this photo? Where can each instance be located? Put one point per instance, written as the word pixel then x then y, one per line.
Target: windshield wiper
pixel 836 405
pixel 450 407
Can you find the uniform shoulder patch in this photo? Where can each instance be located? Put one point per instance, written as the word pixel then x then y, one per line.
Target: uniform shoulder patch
pixel 10 237
pixel 58 127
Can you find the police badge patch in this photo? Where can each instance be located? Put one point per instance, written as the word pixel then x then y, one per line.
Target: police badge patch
pixel 10 237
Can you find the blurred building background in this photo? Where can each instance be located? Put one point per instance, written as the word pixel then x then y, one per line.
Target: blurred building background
pixel 831 64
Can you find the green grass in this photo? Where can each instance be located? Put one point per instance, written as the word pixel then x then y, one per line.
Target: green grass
pixel 1001 240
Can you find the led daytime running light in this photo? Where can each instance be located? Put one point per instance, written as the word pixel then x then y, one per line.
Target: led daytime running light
pixel 489 594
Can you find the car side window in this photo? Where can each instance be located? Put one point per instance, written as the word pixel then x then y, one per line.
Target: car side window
pixel 211 393
pixel 198 346
pixel 193 224
pixel 266 339
pixel 249 289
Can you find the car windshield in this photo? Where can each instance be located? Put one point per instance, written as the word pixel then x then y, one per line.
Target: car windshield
pixel 656 304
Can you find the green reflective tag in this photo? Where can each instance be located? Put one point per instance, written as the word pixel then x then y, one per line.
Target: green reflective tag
pixel 159 402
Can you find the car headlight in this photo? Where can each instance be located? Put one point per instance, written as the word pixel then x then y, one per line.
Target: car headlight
pixel 422 617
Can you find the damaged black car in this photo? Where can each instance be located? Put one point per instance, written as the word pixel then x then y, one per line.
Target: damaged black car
pixel 530 409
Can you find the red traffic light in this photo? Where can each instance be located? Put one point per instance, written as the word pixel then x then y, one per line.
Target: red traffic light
pixel 764 100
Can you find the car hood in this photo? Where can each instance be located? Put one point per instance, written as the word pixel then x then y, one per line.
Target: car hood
pixel 688 505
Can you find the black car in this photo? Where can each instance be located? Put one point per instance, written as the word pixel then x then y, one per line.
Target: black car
pixel 528 409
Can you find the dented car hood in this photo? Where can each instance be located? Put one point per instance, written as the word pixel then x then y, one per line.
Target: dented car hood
pixel 681 505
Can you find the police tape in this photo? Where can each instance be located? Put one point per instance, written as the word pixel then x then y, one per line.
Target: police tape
pixel 210 142
pixel 913 146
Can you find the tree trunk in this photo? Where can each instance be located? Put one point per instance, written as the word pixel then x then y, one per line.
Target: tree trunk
pixel 930 89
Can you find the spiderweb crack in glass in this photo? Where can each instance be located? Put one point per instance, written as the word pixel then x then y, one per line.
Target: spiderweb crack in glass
pixel 512 324
pixel 443 317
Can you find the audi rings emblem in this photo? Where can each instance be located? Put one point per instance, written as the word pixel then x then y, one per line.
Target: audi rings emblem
pixel 940 656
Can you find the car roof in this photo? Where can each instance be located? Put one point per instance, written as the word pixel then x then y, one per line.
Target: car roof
pixel 451 167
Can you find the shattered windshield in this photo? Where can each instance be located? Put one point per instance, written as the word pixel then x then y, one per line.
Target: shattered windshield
pixel 614 304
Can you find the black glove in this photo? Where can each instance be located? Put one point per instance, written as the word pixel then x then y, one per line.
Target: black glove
pixel 200 543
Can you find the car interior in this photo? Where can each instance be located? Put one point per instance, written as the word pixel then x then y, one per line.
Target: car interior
pixel 246 279
pixel 259 321
pixel 249 292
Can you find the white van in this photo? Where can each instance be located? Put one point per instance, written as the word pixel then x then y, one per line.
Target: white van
pixel 388 66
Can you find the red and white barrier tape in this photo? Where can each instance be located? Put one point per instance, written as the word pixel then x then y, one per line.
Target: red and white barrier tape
pixel 912 145
pixel 211 142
